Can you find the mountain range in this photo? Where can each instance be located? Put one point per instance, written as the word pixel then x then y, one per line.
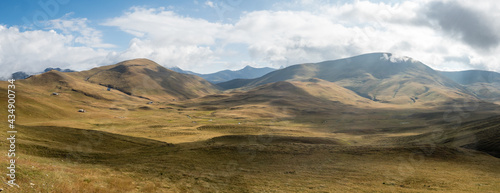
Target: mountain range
pixel 379 77
pixel 315 127
pixel 140 78
pixel 485 84
pixel 23 75
pixel 217 77
pixel 226 75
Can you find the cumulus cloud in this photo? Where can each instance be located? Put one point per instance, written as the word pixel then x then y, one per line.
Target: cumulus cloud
pixel 290 37
pixel 401 28
pixel 168 38
pixel 330 31
pixel 395 58
pixel 446 35
pixel 167 54
pixel 33 51
pixel 86 35
pixel 167 26
pixel 465 23
pixel 210 4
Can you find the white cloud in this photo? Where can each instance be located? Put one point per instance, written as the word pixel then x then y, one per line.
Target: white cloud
pixel 396 58
pixel 167 27
pixel 167 54
pixel 299 36
pixel 33 51
pixel 287 37
pixel 168 38
pixel 302 31
pixel 86 35
pixel 364 26
pixel 210 4
pixel 462 23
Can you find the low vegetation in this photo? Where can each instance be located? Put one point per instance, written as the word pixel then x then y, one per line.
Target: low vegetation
pixel 307 136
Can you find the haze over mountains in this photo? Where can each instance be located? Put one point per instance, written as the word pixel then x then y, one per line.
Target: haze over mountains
pixel 23 75
pixel 226 75
pixel 485 84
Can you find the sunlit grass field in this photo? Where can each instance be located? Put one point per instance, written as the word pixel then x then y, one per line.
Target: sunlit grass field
pixel 127 145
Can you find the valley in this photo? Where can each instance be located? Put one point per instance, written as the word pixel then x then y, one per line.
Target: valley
pixel 304 128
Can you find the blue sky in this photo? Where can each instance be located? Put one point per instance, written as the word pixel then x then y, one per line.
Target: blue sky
pixel 30 15
pixel 24 13
pixel 211 35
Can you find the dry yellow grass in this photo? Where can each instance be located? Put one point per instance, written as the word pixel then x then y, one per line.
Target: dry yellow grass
pixel 256 141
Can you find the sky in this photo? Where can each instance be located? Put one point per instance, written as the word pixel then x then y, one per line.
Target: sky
pixel 206 36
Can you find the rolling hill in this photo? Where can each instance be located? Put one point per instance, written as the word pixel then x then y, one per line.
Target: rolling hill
pixel 298 99
pixel 133 83
pixel 307 94
pixel 145 78
pixel 312 132
pixel 379 76
pixel 481 135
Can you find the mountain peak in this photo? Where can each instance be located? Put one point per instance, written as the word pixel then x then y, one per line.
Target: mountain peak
pixel 247 67
pixel 58 69
pixel 175 68
pixel 245 73
pixel 140 62
pixel 385 77
pixel 146 78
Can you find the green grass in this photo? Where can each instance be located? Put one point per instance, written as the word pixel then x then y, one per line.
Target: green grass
pixel 116 146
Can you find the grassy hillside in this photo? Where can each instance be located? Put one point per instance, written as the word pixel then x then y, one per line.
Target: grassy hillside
pixel 187 149
pixel 299 135
pixel 145 78
pixel 482 135
pixel 379 77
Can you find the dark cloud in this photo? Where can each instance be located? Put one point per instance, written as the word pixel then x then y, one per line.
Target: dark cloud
pixel 469 25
